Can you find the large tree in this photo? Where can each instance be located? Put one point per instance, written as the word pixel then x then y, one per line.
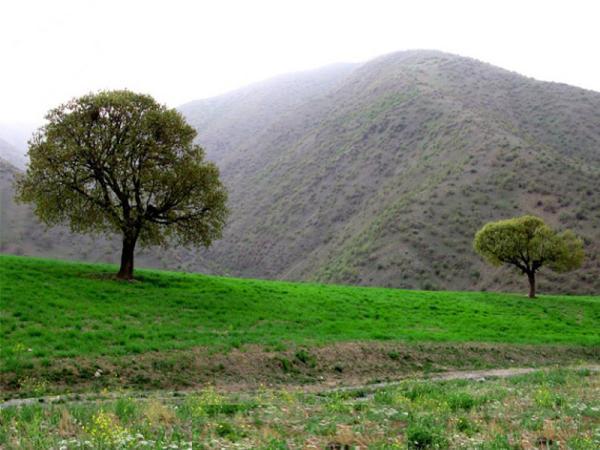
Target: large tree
pixel 119 162
pixel 528 244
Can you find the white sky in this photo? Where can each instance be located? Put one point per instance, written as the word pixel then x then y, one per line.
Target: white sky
pixel 179 50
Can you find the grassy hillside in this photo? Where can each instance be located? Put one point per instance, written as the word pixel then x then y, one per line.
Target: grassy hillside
pixel 68 309
pixel 57 314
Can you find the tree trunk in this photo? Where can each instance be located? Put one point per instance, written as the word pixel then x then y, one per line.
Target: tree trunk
pixel 126 270
pixel 531 277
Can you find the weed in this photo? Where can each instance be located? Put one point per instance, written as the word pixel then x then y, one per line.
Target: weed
pixel 394 355
pixel 157 414
pixel 306 358
pixel 35 387
pixel 526 416
pixel 105 429
pixel 286 365
pixel 465 425
pixel 424 436
pixel 226 430
pixel 461 401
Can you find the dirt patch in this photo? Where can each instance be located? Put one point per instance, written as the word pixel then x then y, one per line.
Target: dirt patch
pixel 367 391
pixel 327 366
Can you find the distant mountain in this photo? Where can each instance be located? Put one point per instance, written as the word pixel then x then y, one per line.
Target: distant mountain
pixel 11 154
pixel 226 122
pixel 380 174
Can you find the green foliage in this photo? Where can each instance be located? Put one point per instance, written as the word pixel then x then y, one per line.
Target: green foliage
pixel 226 430
pixel 464 425
pixel 306 358
pixel 461 400
pixel 114 318
pixel 286 365
pixel 282 420
pixel 394 355
pixel 425 436
pixel 118 162
pixel 529 244
pixel 88 319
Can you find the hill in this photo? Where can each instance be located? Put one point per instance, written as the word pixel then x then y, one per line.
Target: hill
pixel 384 177
pixel 13 142
pixel 380 173
pixel 174 328
pixel 10 154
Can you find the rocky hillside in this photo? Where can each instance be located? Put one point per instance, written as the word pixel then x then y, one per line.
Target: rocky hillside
pixel 381 173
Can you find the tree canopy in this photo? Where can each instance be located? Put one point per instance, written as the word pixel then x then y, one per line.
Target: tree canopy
pixel 528 244
pixel 119 162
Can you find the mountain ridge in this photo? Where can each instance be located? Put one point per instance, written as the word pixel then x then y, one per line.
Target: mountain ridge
pixel 421 87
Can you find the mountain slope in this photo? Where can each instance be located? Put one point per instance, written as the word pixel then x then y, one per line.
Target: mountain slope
pixel 380 174
pixel 384 178
pixel 11 155
pixel 228 122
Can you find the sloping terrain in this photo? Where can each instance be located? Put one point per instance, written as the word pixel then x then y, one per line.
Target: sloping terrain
pixel 384 177
pixel 11 154
pixel 380 174
pixel 171 329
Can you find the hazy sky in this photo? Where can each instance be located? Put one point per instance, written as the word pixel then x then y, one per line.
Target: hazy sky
pixel 179 51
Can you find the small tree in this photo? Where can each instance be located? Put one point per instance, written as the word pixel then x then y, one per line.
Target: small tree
pixel 118 162
pixel 529 244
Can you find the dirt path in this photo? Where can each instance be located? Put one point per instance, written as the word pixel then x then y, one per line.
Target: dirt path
pixel 247 368
pixel 478 375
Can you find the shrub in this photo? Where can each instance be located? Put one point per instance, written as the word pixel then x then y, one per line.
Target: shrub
pixel 424 436
pixel 306 358
pixel 461 400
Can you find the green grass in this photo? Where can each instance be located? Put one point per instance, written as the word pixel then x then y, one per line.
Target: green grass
pixel 556 409
pixel 64 309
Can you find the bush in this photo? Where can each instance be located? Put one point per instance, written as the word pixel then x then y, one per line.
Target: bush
pixel 461 400
pixel 306 358
pixel 464 425
pixel 226 430
pixel 423 436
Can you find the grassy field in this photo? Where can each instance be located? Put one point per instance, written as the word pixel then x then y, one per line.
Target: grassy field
pixel 66 323
pixel 550 410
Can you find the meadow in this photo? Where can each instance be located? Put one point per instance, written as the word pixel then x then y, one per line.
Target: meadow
pixel 69 326
pixel 65 309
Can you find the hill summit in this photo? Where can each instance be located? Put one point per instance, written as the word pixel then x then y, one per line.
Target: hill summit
pixel 381 173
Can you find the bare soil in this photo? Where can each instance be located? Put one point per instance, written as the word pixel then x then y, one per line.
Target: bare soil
pixel 479 375
pixel 329 366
